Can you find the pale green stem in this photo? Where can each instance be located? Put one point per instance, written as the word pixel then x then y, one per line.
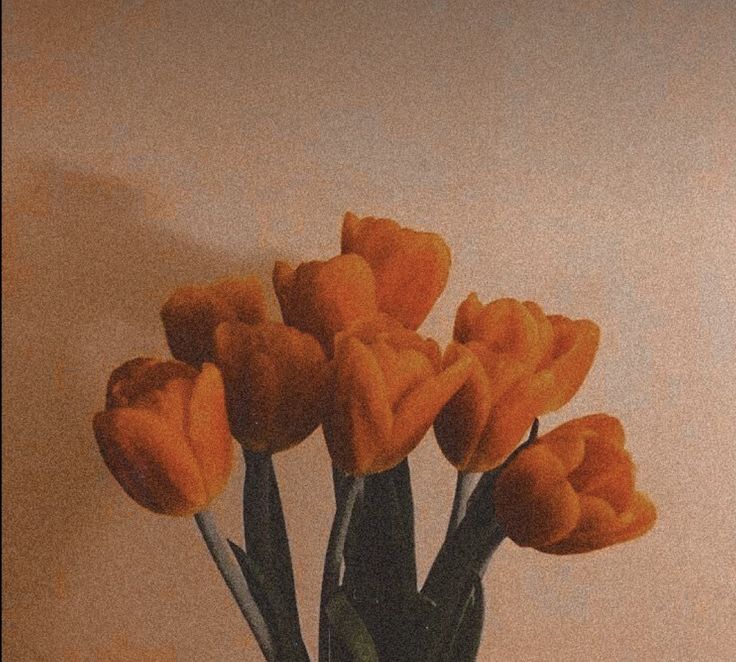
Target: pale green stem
pixel 464 487
pixel 233 576
pixel 346 496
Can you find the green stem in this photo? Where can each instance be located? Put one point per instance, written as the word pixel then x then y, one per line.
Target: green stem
pixel 233 576
pixel 347 495
pixel 464 487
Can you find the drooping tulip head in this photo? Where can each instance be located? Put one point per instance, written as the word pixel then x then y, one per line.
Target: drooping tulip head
pixel 573 490
pixel 164 434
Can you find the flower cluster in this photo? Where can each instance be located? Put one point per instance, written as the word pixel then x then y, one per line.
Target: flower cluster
pixel 348 357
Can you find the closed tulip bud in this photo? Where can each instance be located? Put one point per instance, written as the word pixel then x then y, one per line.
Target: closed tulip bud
pixel 274 379
pixel 525 364
pixel 191 315
pixel 387 385
pixel 572 490
pixel 322 298
pixel 164 434
pixel 410 267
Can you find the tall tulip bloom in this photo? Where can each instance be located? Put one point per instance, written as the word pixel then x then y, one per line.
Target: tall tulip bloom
pixel 274 380
pixel 192 313
pixel 324 297
pixel 410 268
pixel 387 385
pixel 525 364
pixel 164 434
pixel 573 490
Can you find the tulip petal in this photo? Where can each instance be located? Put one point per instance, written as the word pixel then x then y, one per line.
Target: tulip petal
pixel 402 370
pixel 601 527
pixel 574 347
pixel 533 501
pixel 151 460
pixel 568 440
pixel 465 317
pixel 191 314
pixel 606 472
pixel 502 370
pixel 322 298
pixel 410 267
pixel 513 415
pixel 460 423
pixel 358 425
pixel 509 327
pixel 209 432
pixel 419 407
pixel 274 377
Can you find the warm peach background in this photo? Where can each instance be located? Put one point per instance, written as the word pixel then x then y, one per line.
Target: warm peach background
pixel 580 154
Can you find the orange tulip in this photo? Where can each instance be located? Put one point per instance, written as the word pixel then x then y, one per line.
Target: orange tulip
pixel 387 386
pixel 525 364
pixel 274 381
pixel 572 491
pixel 322 298
pixel 410 267
pixel 164 434
pixel 191 315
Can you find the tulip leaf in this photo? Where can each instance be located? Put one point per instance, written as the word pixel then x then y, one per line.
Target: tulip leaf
pixel 380 565
pixel 457 570
pixel 265 529
pixel 466 641
pixel 269 600
pixel 350 629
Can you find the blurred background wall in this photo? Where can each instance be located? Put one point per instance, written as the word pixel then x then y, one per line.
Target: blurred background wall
pixel 577 153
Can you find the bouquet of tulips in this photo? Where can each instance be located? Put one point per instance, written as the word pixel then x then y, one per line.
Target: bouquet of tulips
pixel 348 357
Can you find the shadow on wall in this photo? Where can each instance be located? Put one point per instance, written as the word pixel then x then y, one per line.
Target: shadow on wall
pixel 87 263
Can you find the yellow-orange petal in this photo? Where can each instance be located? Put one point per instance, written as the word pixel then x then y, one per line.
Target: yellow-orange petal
pixel 532 500
pixel 587 427
pixel 151 460
pixel 570 359
pixel 191 314
pixel 208 429
pixel 322 298
pixel 598 463
pixel 358 423
pixel 275 383
pixel 502 370
pixel 419 408
pixel 384 327
pixel 601 527
pixel 513 415
pixel 411 268
pixel 606 472
pixel 507 326
pixel 465 317
pixel 402 369
pixel 459 425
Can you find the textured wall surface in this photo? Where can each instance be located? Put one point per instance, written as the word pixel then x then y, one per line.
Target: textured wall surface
pixel 578 153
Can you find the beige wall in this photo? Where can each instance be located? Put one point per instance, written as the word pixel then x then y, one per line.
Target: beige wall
pixel 580 154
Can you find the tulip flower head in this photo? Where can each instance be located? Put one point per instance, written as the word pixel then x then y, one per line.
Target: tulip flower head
pixel 164 434
pixel 191 315
pixel 410 267
pixel 387 385
pixel 274 380
pixel 572 491
pixel 322 298
pixel 525 364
